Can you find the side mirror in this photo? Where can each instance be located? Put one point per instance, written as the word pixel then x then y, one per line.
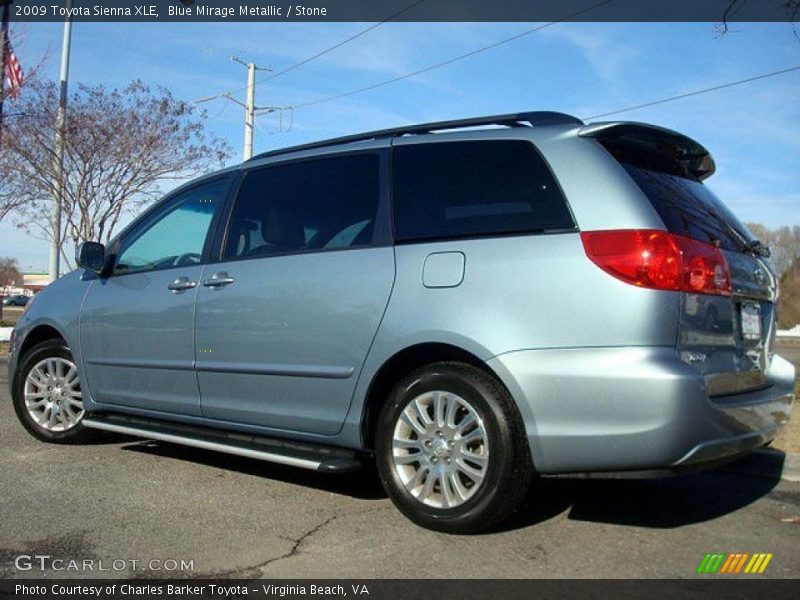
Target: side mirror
pixel 91 256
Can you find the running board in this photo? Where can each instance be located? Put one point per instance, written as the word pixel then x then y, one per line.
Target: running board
pixel 294 454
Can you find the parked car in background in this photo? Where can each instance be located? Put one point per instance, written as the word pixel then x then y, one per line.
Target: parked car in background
pixel 16 300
pixel 467 305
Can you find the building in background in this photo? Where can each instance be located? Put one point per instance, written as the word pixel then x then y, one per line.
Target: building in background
pixel 32 283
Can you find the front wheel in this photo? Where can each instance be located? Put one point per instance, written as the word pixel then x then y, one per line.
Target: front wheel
pixel 47 394
pixel 451 449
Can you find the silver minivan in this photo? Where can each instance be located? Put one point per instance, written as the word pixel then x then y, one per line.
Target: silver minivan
pixel 467 303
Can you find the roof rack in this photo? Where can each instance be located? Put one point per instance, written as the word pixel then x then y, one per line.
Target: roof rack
pixel 533 119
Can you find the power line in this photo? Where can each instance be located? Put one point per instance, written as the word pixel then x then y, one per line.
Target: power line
pixel 450 61
pixel 694 93
pixel 484 49
pixel 319 54
pixel 221 110
pixel 343 42
pixel 597 116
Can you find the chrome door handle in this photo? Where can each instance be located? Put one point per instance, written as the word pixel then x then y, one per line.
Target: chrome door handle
pixel 181 284
pixel 219 280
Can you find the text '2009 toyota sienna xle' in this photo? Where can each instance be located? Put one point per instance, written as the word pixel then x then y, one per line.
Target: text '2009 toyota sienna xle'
pixel 469 305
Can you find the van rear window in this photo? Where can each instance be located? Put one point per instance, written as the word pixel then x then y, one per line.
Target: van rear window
pixel 448 190
pixel 689 208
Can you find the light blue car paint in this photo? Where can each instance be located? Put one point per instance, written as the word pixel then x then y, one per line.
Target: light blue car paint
pixel 597 368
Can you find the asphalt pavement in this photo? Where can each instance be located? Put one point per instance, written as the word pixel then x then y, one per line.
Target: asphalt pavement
pixel 136 502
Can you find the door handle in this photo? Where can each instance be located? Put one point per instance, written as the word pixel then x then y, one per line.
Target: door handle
pixel 219 280
pixel 181 284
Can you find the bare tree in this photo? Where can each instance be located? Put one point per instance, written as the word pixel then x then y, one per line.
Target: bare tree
pixel 121 145
pixel 9 200
pixel 9 272
pixel 790 7
pixel 784 244
pixel 789 300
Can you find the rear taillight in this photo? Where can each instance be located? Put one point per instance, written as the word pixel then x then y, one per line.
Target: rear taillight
pixel 659 260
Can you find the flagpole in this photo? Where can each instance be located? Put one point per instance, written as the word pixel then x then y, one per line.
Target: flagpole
pixel 61 124
pixel 6 4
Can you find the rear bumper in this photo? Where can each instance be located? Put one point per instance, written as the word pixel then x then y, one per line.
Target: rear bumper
pixel 636 409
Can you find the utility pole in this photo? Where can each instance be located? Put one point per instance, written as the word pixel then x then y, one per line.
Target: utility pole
pixel 249 112
pixel 6 4
pixel 249 106
pixel 61 125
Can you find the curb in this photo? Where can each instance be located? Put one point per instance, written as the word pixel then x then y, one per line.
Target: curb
pixel 769 463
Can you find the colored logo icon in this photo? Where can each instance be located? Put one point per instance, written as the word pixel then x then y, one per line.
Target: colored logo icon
pixel 734 563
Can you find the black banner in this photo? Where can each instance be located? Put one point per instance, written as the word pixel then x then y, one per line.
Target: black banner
pixel 406 10
pixel 713 586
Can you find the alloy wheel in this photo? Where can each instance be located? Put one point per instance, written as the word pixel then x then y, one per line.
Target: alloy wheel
pixel 53 394
pixel 440 449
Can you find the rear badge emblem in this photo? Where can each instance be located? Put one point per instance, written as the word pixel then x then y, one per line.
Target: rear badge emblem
pixel 693 357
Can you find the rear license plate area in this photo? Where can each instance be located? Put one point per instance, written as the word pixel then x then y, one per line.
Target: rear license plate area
pixel 750 320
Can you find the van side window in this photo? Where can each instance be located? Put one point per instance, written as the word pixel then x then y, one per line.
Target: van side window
pixel 459 189
pixel 176 237
pixel 320 204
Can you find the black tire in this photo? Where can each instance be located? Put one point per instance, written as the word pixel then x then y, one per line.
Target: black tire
pixel 76 434
pixel 508 469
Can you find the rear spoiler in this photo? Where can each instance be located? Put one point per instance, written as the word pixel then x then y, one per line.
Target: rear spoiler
pixel 669 145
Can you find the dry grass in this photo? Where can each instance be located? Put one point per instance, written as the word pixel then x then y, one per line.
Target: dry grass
pixel 3 349
pixel 788 439
pixel 789 301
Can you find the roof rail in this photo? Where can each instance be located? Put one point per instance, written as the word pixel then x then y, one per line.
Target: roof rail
pixel 534 119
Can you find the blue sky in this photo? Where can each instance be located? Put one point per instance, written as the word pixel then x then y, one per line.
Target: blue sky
pixel 580 68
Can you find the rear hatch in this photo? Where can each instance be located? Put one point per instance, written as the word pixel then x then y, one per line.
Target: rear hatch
pixel 728 338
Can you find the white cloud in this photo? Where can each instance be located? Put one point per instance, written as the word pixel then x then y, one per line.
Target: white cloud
pixel 603 49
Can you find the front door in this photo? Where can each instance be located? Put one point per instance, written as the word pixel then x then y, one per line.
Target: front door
pixel 137 325
pixel 285 321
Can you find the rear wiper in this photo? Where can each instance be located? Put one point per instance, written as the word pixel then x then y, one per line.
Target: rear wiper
pixel 754 246
pixel 758 248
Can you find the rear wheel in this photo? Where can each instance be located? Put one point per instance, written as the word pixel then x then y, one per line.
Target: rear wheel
pixel 451 449
pixel 47 394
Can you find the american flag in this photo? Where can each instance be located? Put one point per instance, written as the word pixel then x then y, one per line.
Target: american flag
pixel 13 72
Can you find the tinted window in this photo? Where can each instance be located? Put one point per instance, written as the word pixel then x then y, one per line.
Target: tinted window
pixel 455 189
pixel 312 205
pixel 176 238
pixel 689 208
